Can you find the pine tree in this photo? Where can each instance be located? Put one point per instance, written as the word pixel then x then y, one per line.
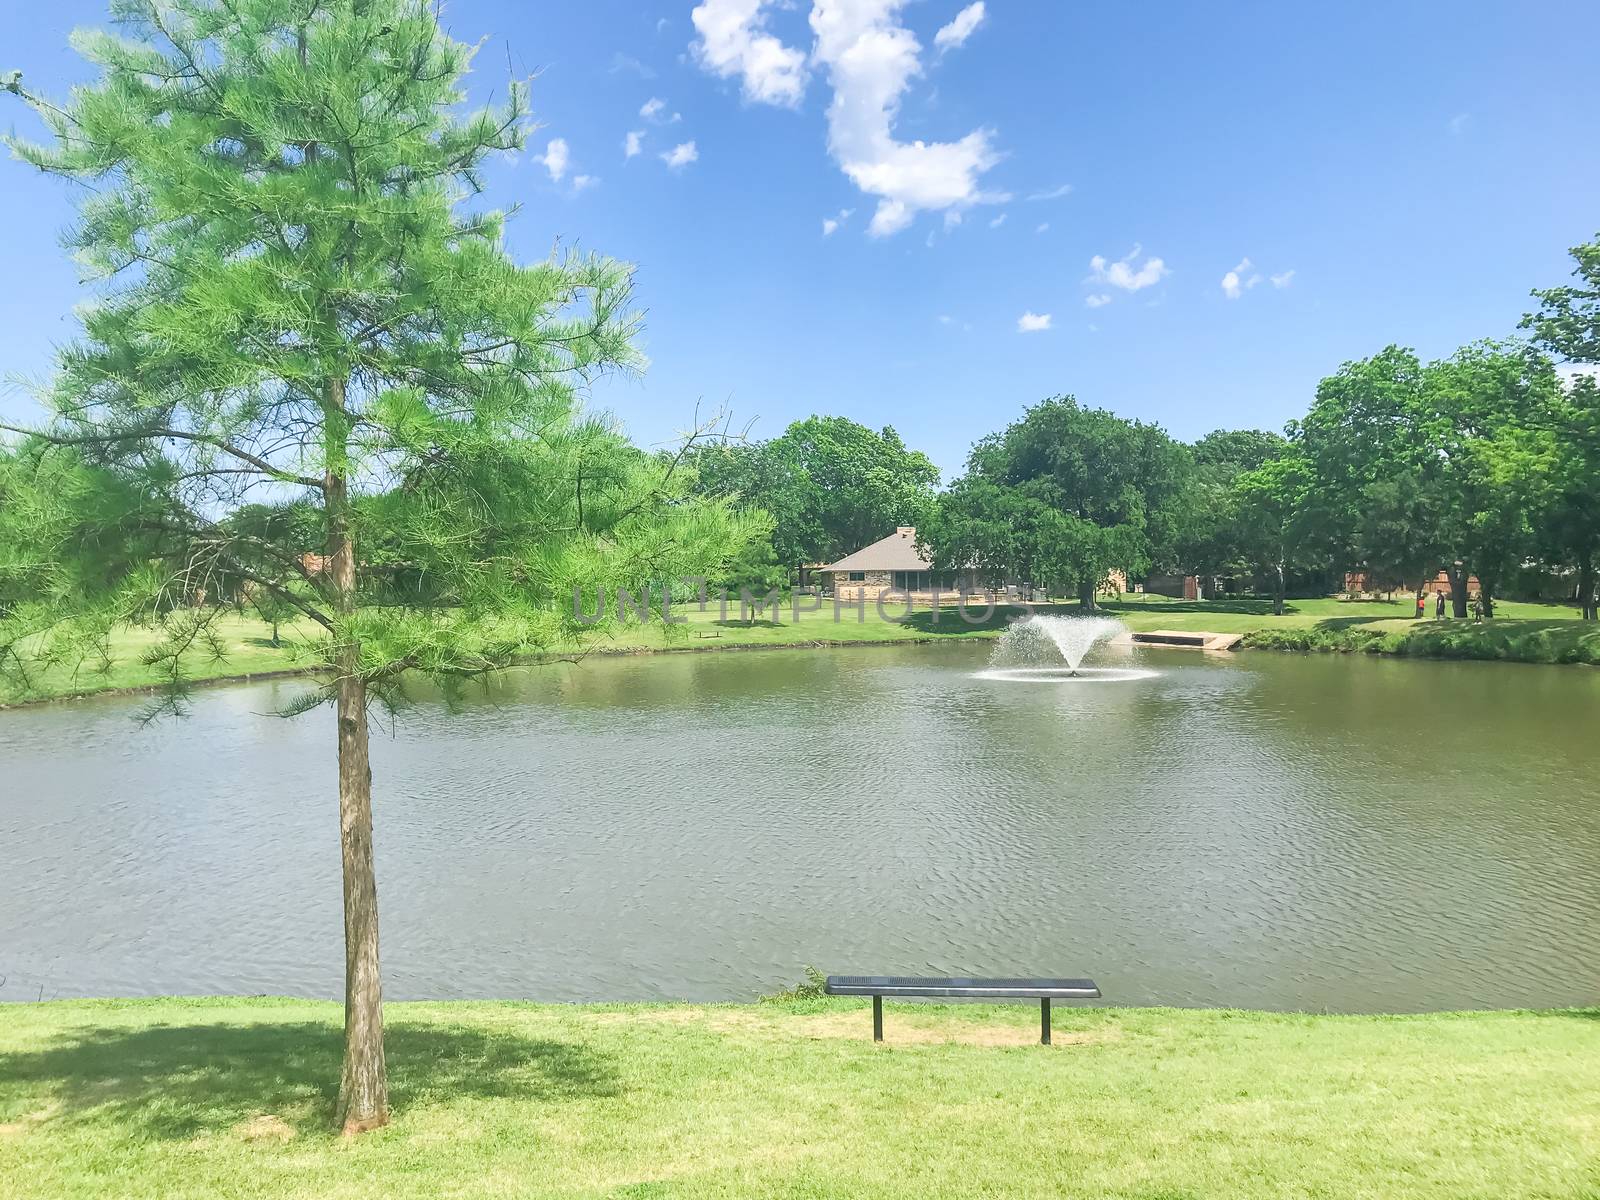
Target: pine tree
pixel 295 305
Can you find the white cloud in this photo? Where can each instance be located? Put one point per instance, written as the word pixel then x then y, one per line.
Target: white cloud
pixel 633 144
pixel 627 62
pixel 555 158
pixel 579 182
pixel 1232 288
pixel 829 226
pixel 1031 322
pixel 959 30
pixel 1097 300
pixel 952 218
pixel 998 221
pixel 1122 273
pixel 681 155
pixel 733 41
pixel 654 109
pixel 871 59
pixel 1243 277
pixel 1054 193
pixel 1042 227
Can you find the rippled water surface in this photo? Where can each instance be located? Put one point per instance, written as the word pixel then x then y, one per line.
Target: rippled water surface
pixel 1257 830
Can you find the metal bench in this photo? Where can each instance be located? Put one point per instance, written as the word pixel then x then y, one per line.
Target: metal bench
pixel 1042 990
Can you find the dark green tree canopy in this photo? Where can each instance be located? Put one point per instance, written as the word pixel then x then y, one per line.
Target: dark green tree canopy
pixel 829 485
pixel 1065 495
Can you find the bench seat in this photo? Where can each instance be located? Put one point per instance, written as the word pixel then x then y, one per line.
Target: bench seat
pixel 1042 990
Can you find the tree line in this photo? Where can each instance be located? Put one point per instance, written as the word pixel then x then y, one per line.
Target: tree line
pixel 1485 465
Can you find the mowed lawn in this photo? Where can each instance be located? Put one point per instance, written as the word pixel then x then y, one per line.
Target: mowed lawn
pixel 229 1097
pixel 1525 632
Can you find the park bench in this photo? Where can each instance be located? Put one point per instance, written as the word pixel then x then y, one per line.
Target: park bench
pixel 1042 990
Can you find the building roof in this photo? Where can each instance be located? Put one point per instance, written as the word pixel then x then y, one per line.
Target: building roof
pixel 897 552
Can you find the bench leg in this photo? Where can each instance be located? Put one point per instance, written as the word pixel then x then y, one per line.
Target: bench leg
pixel 877 1018
pixel 1044 1020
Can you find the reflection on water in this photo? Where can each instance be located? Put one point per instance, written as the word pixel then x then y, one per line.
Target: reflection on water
pixel 1256 830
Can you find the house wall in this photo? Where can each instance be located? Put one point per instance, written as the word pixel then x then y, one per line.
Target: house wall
pixel 846 590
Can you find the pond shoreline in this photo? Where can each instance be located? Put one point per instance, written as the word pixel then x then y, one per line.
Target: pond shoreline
pixel 1426 642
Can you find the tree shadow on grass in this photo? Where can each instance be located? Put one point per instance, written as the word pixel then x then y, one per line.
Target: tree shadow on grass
pixel 181 1081
pixel 1247 607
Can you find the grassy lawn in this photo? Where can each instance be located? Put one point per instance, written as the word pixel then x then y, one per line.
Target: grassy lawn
pixel 1523 632
pixel 228 1097
pixel 249 651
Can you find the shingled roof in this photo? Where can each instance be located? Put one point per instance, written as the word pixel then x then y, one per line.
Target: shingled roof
pixel 897 552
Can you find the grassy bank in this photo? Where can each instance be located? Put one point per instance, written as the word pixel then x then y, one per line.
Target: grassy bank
pixel 212 1098
pixel 1541 633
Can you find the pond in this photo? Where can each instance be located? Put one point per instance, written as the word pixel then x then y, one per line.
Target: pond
pixel 1253 830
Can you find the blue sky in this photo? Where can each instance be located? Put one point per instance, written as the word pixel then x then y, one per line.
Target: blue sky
pixel 1394 172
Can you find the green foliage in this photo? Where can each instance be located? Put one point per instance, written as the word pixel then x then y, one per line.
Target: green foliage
pixel 1417 468
pixel 302 339
pixel 1528 641
pixel 829 485
pixel 1065 495
pixel 1564 455
pixel 809 988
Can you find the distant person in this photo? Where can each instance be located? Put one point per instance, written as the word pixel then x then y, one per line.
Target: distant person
pixel 1438 607
pixel 1477 606
pixel 1422 605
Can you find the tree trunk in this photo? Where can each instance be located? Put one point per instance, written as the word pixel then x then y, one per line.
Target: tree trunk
pixel 364 1082
pixel 1486 597
pixel 1586 597
pixel 1458 590
pixel 1277 590
pixel 1086 595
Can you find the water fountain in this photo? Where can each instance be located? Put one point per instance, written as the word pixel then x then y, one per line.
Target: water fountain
pixel 1032 649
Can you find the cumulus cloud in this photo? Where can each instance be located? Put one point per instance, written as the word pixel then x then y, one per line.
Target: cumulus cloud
pixel 579 182
pixel 555 158
pixel 1124 274
pixel 1284 280
pixel 681 155
pixel 1054 193
pixel 959 30
pixel 871 59
pixel 1032 322
pixel 1234 284
pixel 733 42
pixel 830 224
pixel 627 62
pixel 998 221
pixel 1097 300
pixel 655 109
pixel 633 144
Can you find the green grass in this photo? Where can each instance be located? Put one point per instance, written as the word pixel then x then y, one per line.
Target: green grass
pixel 227 1097
pixel 1544 633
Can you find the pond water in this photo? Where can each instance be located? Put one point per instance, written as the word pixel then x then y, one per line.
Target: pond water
pixel 1257 830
